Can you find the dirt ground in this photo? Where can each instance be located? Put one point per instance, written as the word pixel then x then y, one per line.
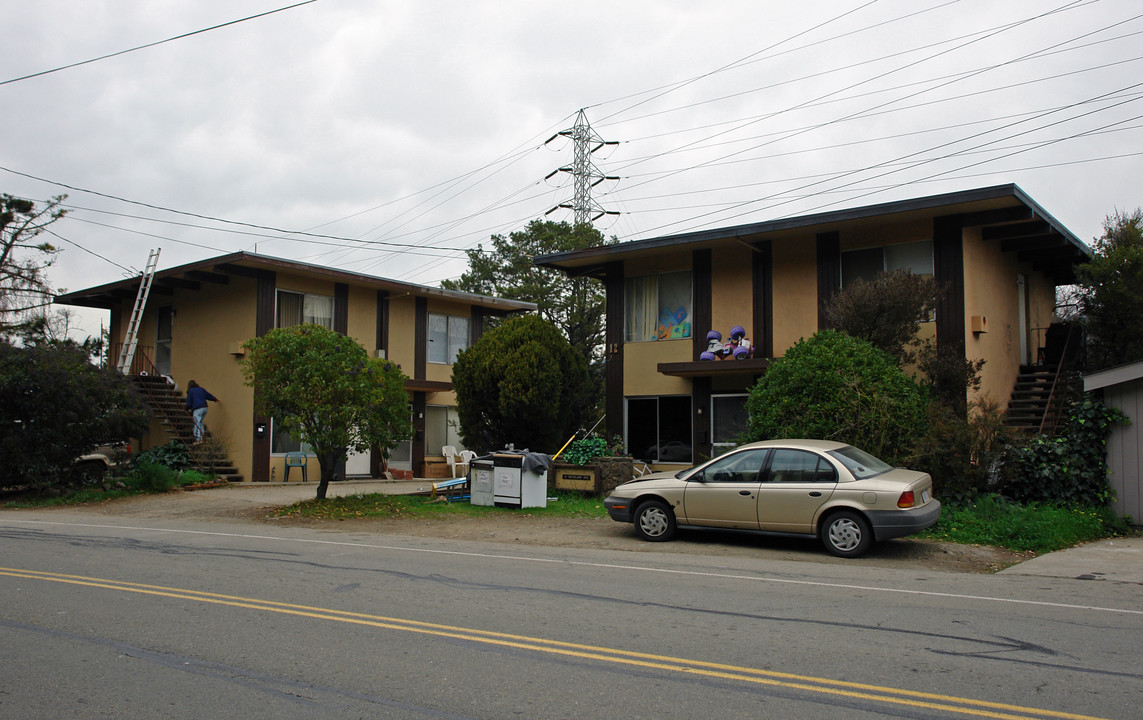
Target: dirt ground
pixel 519 527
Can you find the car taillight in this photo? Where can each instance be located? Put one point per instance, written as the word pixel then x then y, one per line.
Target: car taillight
pixel 906 500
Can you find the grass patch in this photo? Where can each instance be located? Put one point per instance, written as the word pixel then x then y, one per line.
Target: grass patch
pixel 378 505
pixel 1037 528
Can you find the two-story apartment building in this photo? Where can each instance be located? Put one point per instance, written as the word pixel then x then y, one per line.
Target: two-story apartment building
pixel 198 316
pixel 997 253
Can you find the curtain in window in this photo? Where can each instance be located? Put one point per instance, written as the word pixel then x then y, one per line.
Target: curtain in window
pixel 640 308
pixel 290 309
pixel 457 336
pixel 318 309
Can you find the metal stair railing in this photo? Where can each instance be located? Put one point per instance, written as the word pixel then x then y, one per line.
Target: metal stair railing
pixel 1054 408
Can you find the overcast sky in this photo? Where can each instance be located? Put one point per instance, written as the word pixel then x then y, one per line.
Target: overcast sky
pixel 399 133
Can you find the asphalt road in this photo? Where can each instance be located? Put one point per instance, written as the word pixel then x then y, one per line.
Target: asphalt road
pixel 126 617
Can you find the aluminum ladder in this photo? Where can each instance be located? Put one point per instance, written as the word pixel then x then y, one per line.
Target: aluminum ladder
pixel 131 341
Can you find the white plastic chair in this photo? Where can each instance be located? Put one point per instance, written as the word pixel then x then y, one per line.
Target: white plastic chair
pixel 466 457
pixel 450 457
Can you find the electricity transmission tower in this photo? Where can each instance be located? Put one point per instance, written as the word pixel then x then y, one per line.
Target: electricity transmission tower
pixel 584 172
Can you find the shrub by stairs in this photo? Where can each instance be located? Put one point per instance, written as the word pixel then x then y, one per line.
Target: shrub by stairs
pixel 169 408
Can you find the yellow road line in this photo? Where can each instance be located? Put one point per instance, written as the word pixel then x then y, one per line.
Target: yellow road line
pixel 897 696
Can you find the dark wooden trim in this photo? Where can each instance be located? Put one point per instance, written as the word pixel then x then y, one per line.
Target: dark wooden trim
pixel 614 285
pixel 382 341
pixel 702 313
pixel 1033 229
pixel 240 270
pixel 418 445
pixel 428 385
pixel 265 298
pixel 266 301
pixel 475 325
pixel 762 268
pixel 700 419
pixel 181 283
pixel 341 308
pixel 204 276
pixel 1000 215
pixel 829 272
pixel 948 270
pixel 420 337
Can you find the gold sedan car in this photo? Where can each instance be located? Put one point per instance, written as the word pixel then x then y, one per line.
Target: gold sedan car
pixel 843 495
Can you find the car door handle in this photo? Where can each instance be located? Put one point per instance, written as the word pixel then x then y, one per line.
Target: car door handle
pixel 815 493
pixel 743 492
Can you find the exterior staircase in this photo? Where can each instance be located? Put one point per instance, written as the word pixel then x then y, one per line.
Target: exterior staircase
pixel 169 408
pixel 1039 398
pixel 1029 405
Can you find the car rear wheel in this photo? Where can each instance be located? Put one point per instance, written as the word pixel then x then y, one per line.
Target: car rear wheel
pixel 654 521
pixel 846 534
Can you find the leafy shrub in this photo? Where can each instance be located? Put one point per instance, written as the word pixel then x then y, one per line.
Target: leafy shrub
pixel 150 476
pixel 1070 468
pixel 963 454
pixel 836 387
pixel 585 449
pixel 173 455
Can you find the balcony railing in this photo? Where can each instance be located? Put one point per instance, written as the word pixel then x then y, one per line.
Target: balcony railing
pixel 141 364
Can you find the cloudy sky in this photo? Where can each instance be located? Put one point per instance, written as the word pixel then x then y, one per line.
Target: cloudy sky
pixel 386 137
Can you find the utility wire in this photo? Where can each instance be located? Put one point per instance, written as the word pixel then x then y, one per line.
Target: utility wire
pixel 153 44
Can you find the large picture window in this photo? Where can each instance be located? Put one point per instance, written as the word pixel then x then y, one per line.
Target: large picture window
pixel 916 257
pixel 448 335
pixel 657 307
pixel 295 308
pixel 659 429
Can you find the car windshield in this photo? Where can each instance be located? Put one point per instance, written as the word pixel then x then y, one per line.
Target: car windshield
pixel 860 463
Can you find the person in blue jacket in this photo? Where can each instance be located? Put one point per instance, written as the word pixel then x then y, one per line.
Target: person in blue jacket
pixel 196 403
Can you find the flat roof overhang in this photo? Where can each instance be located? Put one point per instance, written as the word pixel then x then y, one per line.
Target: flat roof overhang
pixel 219 271
pixel 714 368
pixel 1004 213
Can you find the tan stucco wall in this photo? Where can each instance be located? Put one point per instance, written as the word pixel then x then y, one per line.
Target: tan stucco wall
pixel 640 360
pixel 795 293
pixel 990 291
pixel 363 317
pixel 732 294
pixel 402 314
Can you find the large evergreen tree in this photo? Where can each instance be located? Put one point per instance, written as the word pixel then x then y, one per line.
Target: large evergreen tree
pixel 575 305
pixel 521 383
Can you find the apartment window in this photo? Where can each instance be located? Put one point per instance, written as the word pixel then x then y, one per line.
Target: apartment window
pixel 281 442
pixel 657 307
pixel 659 429
pixel 865 264
pixel 295 308
pixel 448 335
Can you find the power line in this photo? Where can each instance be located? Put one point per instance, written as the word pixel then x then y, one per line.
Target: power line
pixel 153 44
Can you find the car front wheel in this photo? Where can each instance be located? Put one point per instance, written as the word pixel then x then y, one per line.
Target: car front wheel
pixel 654 521
pixel 846 534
